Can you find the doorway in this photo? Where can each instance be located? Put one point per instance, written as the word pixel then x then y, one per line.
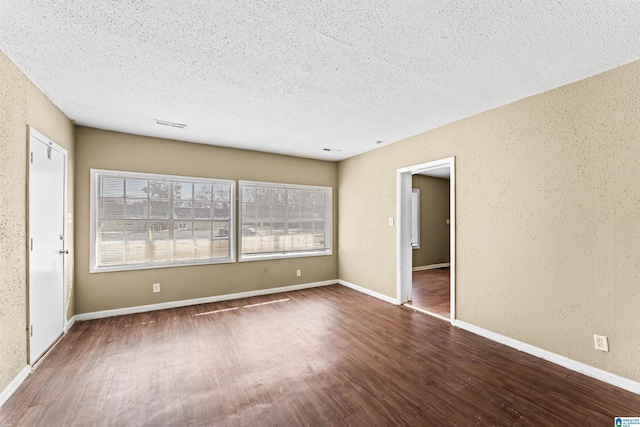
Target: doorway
pixel 47 243
pixel 435 283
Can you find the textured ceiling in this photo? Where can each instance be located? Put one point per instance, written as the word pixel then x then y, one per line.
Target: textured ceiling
pixel 297 76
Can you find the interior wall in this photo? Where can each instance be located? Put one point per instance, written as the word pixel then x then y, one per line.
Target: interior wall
pixel 22 104
pixel 118 151
pixel 434 212
pixel 547 201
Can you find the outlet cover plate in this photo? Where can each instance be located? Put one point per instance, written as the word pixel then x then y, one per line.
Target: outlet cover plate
pixel 601 343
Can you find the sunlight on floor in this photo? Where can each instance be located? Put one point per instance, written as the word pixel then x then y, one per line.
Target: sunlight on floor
pixel 245 306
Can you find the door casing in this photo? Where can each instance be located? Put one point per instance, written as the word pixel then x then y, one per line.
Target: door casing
pixel 53 327
pixel 404 250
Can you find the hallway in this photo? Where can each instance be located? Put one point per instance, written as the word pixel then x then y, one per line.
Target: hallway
pixel 431 291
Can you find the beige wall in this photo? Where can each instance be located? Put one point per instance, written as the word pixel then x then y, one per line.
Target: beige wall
pixel 434 212
pixel 548 218
pixel 22 104
pixel 117 151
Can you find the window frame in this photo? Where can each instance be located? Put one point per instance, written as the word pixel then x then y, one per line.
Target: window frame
pixel 328 228
pixel 415 218
pixel 94 220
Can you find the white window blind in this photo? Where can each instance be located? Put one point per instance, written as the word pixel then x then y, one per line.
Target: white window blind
pixel 283 220
pixel 415 218
pixel 148 220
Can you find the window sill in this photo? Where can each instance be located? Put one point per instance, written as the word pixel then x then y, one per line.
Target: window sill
pixel 283 255
pixel 152 266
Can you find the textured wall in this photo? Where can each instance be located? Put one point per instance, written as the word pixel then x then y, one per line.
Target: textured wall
pixel 117 151
pixel 13 272
pixel 548 203
pixel 434 212
pixel 21 104
pixel 48 120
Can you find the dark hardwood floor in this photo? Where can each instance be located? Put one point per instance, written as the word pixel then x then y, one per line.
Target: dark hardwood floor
pixel 431 291
pixel 325 356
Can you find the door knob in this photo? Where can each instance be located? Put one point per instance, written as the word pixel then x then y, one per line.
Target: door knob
pixel 63 252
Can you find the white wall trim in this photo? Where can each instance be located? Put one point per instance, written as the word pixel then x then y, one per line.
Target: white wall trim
pixel 13 385
pixel 583 368
pixel 184 303
pixel 69 324
pixel 368 292
pixel 404 266
pixel 432 266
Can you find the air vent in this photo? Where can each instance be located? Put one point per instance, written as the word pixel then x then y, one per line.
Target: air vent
pixel 170 124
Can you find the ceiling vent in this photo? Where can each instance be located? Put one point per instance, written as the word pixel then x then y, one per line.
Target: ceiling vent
pixel 170 124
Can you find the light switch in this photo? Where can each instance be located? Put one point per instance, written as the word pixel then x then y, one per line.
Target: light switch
pixel 391 221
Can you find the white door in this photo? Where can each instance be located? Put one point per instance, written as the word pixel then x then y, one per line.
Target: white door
pixel 47 251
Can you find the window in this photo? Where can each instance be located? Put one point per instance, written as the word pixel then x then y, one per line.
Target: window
pixel 282 220
pixel 146 221
pixel 415 218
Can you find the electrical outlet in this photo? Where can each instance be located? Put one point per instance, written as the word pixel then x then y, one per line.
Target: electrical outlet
pixel 601 343
pixel 298 273
pixel 156 288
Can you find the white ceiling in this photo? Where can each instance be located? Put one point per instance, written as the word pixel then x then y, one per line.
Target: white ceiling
pixel 294 77
pixel 439 172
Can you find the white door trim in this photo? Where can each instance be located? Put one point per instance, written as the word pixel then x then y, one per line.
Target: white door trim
pixel 33 133
pixel 404 257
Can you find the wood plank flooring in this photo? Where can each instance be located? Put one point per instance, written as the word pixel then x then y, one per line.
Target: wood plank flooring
pixel 431 291
pixel 327 356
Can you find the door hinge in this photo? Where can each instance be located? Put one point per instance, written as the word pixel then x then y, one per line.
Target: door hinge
pixel 30 330
pixel 32 243
pixel 49 153
pixel 32 157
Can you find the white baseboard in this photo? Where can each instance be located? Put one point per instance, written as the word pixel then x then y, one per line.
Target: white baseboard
pixel 13 385
pixel 432 266
pixel 184 303
pixel 368 292
pixel 588 370
pixel 69 324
